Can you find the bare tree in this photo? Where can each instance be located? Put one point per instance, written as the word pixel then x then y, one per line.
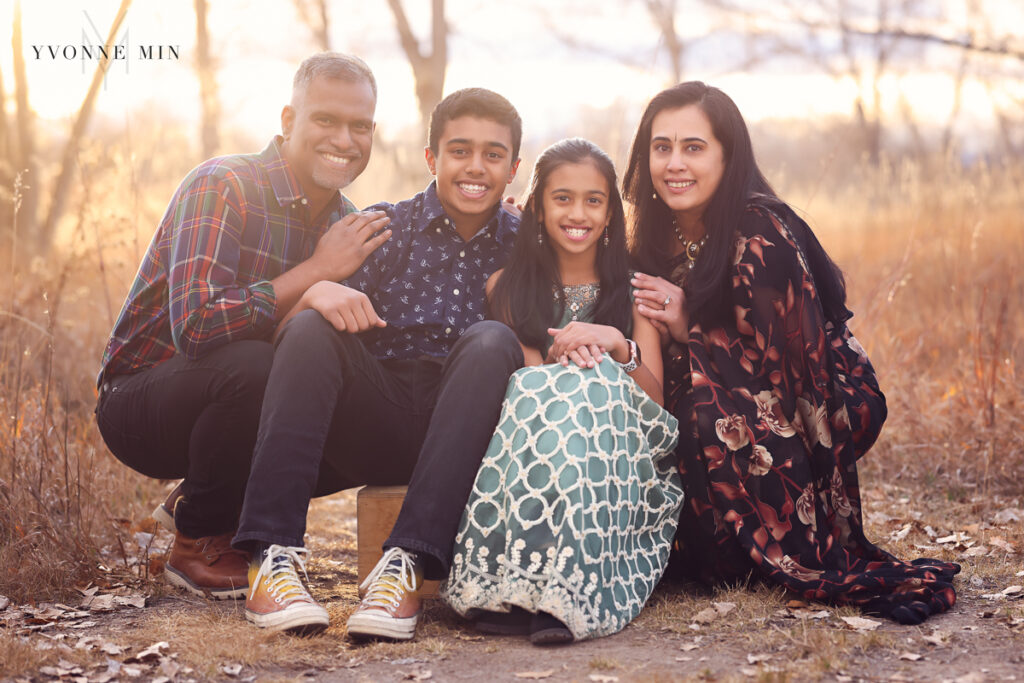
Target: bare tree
pixel 313 13
pixel 25 158
pixel 67 166
pixel 206 70
pixel 428 69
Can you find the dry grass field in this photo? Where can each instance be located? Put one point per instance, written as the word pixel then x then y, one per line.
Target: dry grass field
pixel 932 253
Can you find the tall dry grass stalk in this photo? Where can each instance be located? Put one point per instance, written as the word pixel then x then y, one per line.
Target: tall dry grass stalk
pixel 931 253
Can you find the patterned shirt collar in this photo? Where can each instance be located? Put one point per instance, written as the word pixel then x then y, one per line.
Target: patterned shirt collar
pixel 285 185
pixel 502 225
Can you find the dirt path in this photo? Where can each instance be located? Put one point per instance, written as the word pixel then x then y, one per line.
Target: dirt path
pixel 683 634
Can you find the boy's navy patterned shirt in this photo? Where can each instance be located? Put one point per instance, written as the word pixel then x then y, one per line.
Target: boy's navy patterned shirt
pixel 426 282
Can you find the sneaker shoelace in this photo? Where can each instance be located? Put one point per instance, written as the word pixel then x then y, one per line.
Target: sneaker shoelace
pixel 278 571
pixel 390 580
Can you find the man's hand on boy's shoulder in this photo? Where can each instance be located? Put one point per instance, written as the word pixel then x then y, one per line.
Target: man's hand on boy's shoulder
pixel 347 309
pixel 509 204
pixel 347 243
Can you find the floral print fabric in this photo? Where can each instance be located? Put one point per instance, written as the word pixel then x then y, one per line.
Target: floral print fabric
pixel 775 409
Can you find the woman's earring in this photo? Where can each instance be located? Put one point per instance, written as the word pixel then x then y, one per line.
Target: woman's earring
pixel 540 237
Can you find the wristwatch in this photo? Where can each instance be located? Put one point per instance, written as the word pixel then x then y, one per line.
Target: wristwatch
pixel 634 357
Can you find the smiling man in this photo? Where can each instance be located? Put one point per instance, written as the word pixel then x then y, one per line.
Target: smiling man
pixel 243 238
pixel 392 377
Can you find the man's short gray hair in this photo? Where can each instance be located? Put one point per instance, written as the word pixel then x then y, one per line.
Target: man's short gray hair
pixel 332 65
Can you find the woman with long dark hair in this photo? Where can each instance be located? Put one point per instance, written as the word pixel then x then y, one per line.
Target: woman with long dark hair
pixel 775 398
pixel 574 508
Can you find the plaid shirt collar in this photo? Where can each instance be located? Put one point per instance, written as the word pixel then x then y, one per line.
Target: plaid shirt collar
pixel 283 182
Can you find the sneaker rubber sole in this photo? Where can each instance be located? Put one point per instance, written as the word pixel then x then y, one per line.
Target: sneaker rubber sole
pixel 298 618
pixel 377 624
pixel 179 579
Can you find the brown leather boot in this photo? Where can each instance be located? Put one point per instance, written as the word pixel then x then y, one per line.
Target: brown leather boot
pixel 208 566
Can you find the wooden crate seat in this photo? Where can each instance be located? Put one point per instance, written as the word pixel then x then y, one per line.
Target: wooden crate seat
pixel 377 508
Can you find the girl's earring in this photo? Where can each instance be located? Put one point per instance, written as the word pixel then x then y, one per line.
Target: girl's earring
pixel 654 195
pixel 540 237
pixel 606 237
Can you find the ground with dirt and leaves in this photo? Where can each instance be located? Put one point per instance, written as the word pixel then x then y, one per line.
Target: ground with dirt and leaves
pixel 134 627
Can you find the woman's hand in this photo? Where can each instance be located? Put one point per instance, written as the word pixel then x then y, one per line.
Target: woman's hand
pixel 585 344
pixel 662 303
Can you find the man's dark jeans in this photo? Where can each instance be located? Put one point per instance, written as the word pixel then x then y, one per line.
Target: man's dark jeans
pixel 191 419
pixel 335 417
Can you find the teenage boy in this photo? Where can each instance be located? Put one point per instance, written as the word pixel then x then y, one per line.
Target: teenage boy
pixel 393 377
pixel 242 239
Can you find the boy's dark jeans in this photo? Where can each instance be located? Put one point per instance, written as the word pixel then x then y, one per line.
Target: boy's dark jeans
pixel 191 419
pixel 335 417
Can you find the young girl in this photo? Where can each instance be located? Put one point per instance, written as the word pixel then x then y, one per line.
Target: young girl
pixel 571 517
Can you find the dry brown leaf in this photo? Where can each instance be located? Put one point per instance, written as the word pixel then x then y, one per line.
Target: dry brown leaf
pixel 138 600
pixel 417 675
pixel 99 603
pixel 976 551
pixel 152 652
pixel 861 624
pixel 231 669
pixel 955 537
pixel 706 615
pixel 4 602
pixel 937 638
pixel 748 671
pixel 1002 545
pixel 131 671
pixel 535 675
pixel 757 659
pixel 724 608
pixel 910 656
pixel 973 677
pixel 797 604
pixel 684 658
pixel 1013 590
pixel 603 678
pixel 686 647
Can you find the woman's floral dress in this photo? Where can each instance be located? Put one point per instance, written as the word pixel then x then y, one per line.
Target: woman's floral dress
pixel 775 408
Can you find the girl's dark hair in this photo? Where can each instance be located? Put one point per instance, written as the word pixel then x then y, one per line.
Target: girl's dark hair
pixel 524 296
pixel 742 184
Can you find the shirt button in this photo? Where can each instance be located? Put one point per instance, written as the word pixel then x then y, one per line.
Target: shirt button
pixel 304 202
pixel 439 231
pixel 462 254
pixel 447 330
pixel 455 292
pixel 447 222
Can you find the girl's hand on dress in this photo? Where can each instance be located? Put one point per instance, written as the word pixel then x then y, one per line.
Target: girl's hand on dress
pixel 662 303
pixel 585 344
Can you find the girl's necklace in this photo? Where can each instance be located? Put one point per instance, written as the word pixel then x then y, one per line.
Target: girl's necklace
pixel 578 296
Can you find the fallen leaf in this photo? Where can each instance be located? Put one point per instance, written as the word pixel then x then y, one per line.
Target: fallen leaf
pixel 417 675
pixel 99 603
pixel 169 667
pixel 724 608
pixel 797 604
pixel 957 537
pixel 937 638
pixel 1013 590
pixel 684 658
pixel 910 656
pixel 976 551
pixel 463 636
pixel 861 624
pixel 974 677
pixel 748 671
pixel 807 614
pixel 88 591
pixel 1002 545
pixel 231 669
pixel 757 659
pixel 535 675
pixel 903 532
pixel 4 602
pixel 601 678
pixel 138 601
pixel 707 615
pixel 686 647
pixel 1008 515
pixel 152 652
pixel 131 671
